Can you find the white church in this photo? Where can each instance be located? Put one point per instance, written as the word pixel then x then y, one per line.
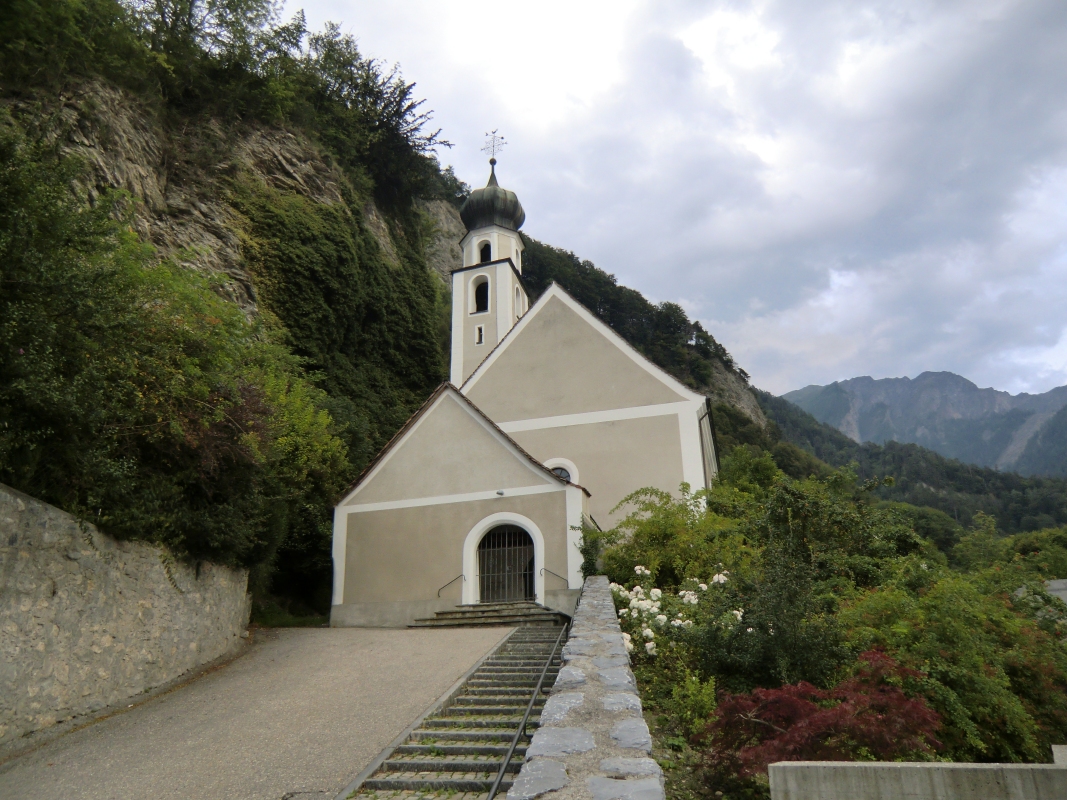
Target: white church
pixel 549 420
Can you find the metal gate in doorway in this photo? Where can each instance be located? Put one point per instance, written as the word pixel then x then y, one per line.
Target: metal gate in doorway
pixel 506 565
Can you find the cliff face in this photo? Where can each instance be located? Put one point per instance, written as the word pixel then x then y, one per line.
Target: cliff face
pixel 181 176
pixel 178 174
pixel 948 414
pixel 729 388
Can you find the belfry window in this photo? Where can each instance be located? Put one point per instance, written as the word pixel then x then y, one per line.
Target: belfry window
pixel 481 296
pixel 486 253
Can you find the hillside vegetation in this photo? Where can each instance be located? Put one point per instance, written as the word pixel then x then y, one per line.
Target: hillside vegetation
pixel 216 155
pixel 923 478
pixel 776 618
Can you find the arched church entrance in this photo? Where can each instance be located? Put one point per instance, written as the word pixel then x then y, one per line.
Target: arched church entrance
pixel 506 565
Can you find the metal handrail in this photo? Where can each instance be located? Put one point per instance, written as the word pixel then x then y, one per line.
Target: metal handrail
pixel 461 575
pixel 550 572
pixel 526 717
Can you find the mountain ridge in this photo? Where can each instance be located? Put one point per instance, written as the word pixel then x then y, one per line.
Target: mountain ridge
pixel 950 415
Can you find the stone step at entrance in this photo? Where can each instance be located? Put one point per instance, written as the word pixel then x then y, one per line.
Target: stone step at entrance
pixel 520 612
pixel 459 749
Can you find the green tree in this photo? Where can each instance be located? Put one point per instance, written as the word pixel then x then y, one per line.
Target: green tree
pixel 132 394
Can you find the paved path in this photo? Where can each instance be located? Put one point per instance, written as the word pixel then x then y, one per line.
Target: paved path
pixel 298 716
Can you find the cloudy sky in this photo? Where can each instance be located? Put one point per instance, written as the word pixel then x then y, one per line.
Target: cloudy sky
pixel 833 188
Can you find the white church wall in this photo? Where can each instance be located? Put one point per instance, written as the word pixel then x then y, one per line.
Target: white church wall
pixel 449 451
pixel 615 457
pixel 395 560
pixel 470 347
pixel 555 363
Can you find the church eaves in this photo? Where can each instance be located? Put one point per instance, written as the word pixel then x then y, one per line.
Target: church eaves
pixel 413 420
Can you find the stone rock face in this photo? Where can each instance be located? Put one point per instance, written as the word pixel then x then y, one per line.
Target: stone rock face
pixel 731 389
pixel 593 741
pixel 179 177
pixel 442 250
pixel 87 621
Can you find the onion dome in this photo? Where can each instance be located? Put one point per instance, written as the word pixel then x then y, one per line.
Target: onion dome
pixel 492 206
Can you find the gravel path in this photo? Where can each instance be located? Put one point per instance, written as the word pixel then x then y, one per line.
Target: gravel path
pixel 297 717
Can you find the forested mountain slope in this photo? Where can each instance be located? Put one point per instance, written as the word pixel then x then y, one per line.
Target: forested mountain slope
pixel 950 415
pixel 924 478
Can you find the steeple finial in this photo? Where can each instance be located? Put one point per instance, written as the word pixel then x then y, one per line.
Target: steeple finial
pixel 494 143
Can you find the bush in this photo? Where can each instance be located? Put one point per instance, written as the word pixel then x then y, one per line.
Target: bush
pixel 831 629
pixel 133 396
pixel 865 717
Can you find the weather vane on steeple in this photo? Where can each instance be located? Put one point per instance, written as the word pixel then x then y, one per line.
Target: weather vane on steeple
pixel 493 145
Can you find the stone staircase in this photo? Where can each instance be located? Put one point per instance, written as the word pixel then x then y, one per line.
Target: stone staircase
pixel 460 749
pixel 520 612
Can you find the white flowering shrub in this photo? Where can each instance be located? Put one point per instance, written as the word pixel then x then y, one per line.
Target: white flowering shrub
pixel 655 614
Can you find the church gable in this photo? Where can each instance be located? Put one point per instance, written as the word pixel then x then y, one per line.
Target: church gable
pixel 448 448
pixel 559 360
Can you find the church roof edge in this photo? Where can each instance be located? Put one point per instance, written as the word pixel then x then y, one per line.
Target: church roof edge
pixel 506 338
pixel 396 437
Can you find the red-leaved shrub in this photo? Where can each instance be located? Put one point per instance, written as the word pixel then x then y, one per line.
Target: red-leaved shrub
pixel 867 716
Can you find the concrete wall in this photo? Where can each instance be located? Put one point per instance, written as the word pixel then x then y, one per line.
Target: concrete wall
pixel 838 780
pixel 87 621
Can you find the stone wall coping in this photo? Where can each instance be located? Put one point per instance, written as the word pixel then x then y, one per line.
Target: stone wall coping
pixel 593 742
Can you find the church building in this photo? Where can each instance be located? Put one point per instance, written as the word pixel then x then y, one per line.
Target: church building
pixel 549 420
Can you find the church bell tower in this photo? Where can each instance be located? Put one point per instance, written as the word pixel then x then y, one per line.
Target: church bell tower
pixel 488 296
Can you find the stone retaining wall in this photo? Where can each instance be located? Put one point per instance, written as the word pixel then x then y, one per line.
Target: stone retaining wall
pixel 87 621
pixel 593 741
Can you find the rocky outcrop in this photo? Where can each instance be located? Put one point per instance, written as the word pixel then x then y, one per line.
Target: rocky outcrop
pixel 442 251
pixel 179 174
pixel 180 177
pixel 731 389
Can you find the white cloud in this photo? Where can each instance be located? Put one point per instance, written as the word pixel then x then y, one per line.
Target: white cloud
pixel 835 188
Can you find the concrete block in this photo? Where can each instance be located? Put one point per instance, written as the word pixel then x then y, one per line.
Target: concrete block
pixel 880 780
pixel 614 789
pixel 632 734
pixel 628 767
pixel 622 701
pixel 606 662
pixel 617 678
pixel 568 678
